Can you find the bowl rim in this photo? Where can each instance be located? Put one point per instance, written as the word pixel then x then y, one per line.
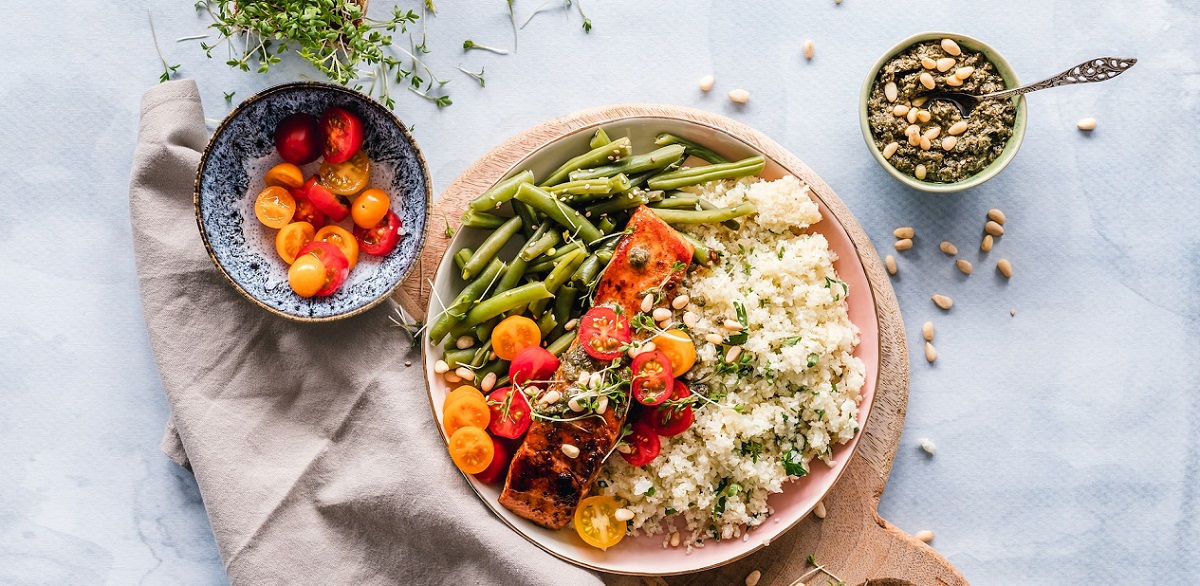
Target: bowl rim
pixel 1004 68
pixel 422 237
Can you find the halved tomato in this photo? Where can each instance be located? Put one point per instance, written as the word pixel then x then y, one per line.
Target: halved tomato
pixel 501 458
pixel 274 207
pixel 341 238
pixel 534 365
pixel 305 210
pixel 306 276
pixel 382 238
pixel 466 411
pixel 603 333
pixel 514 334
pixel 472 449
pixel 678 347
pixel 343 134
pixel 291 238
pixel 334 262
pixel 644 444
pixel 510 413
pixel 596 521
pixel 334 206
pixel 673 416
pixel 348 177
pixel 653 379
pixel 285 175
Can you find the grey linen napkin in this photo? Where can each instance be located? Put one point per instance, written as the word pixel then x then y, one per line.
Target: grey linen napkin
pixel 313 445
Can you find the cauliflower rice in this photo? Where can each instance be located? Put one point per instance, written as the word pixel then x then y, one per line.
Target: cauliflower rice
pixel 791 396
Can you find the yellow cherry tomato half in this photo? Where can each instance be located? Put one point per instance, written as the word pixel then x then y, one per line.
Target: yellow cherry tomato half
pixel 285 175
pixel 347 178
pixel 369 208
pixel 468 411
pixel 459 393
pixel 514 334
pixel 596 521
pixel 291 238
pixel 678 347
pixel 274 207
pixel 306 276
pixel 341 238
pixel 471 449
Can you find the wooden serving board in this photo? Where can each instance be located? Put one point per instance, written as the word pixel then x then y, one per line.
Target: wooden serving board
pixel 853 542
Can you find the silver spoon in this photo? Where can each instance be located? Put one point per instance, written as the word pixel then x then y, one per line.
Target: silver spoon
pixel 1092 70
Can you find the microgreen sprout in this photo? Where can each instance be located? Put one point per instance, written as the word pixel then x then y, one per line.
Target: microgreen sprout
pixel 167 68
pixel 476 76
pixel 469 45
pixel 229 96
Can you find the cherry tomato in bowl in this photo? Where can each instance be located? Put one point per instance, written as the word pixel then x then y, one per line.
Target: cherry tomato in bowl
pixel 382 238
pixel 673 416
pixel 332 260
pixel 274 207
pixel 510 413
pixel 341 238
pixel 534 365
pixel 285 175
pixel 348 177
pixel 305 210
pixel 343 134
pixel 370 207
pixel 653 379
pixel 604 334
pixel 291 238
pixel 298 138
pixel 306 276
pixel 331 205
pixel 644 444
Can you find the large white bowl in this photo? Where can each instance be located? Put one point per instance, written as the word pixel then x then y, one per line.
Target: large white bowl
pixel 645 555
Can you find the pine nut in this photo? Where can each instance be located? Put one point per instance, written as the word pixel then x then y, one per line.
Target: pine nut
pixel 924 115
pixel 680 301
pixel 952 81
pixel 900 110
pixel 1088 123
pixel 919 173
pixel 571 451
pixel 958 128
pixel 624 449
pixel 550 398
pixel 932 132
pixel 452 378
pixel 964 72
pixel 904 244
pixel 1012 312
pixel 924 535
pixel 951 48
pixel 714 339
pixel 661 313
pixel 819 510
pixel 993 228
pixel 622 514
pixel 465 373
pixel 926 144
pixel 809 49
pixel 595 380
pixel 948 248
pixel 927 80
pixel 489 381
pixel 647 303
pixel 602 404
pixel 928 445
pixel 942 301
pixel 890 262
pixel 918 102
pixel 706 82
pixel 930 352
pixel 945 63
pixel 904 232
pixel 890 91
pixel 583 379
pixel 689 319
pixel 574 404
pixel 733 353
pixel 986 244
pixel 571 324
pixel 732 325
pixel 928 63
pixel 912 129
pixel 996 216
pixel 890 149
pixel 753 578
pixel 1005 268
pixel 464 342
pixel 912 115
pixel 949 142
pixel 739 96
pixel 674 539
pixel 963 265
pixel 441 367
pixel 914 139
pixel 927 331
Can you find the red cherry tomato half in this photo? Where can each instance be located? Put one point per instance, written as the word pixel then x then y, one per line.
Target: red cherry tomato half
pixel 501 458
pixel 532 364
pixel 671 418
pixel 603 333
pixel 653 379
pixel 343 135
pixel 510 413
pixel 334 206
pixel 335 263
pixel 644 442
pixel 298 139
pixel 382 238
pixel 305 210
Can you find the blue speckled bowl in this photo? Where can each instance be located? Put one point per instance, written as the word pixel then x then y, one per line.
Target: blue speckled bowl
pixel 231 175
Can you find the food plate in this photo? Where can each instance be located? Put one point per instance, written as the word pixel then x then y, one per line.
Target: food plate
pixel 645 555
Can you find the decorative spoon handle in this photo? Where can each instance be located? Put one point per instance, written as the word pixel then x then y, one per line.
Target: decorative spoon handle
pixel 1092 70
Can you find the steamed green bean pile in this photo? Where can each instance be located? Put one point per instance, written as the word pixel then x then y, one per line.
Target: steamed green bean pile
pixel 567 225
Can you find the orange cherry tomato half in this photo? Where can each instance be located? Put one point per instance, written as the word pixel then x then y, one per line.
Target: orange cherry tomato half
pixel 514 334
pixel 305 210
pixel 306 276
pixel 501 458
pixel 334 262
pixel 381 238
pixel 334 206
pixel 678 347
pixel 274 207
pixel 596 521
pixel 285 175
pixel 370 207
pixel 343 134
pixel 291 238
pixel 459 393
pixel 467 411
pixel 341 238
pixel 348 177
pixel 471 449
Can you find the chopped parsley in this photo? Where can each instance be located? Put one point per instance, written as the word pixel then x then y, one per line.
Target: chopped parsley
pixel 812 359
pixel 792 341
pixel 793 463
pixel 650 492
pixel 752 449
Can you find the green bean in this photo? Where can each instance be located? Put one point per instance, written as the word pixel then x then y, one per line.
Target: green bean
pixel 470 294
pixel 481 353
pixel 677 202
pixel 498 304
pixel 587 271
pixel 574 221
pixel 456 358
pixel 544 239
pixel 529 218
pixel 563 302
pixel 651 161
pixel 562 343
pixel 599 139
pixel 691 148
pixel 496 367
pixel 558 276
pixel 606 225
pixel 605 256
pixel 491 247
pixel 547 262
pixel 708 205
pixel 512 275
pixel 500 192
pixel 625 201
pixel 482 220
pixel 483 331
pixel 701 254
pixel 698 175
pixel 706 216
pixel 593 158
pixel 462 256
pixel 547 323
pixel 577 192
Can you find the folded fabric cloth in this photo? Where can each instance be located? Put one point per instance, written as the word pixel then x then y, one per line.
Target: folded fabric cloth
pixel 313 445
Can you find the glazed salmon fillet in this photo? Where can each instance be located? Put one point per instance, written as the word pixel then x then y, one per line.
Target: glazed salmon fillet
pixel 544 485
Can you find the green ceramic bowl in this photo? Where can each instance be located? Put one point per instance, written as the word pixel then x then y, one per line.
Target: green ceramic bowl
pixel 1010 78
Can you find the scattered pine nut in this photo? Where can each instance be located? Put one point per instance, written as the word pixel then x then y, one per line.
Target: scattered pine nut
pixel 890 149
pixel 924 115
pixel 602 404
pixel 949 142
pixel 964 72
pixel 996 216
pixel 993 228
pixel 489 381
pixel 739 96
pixel 733 354
pixel 948 248
pixel 689 319
pixel 930 352
pixel 963 265
pixel 1012 312
pixel 924 535
pixel 932 132
pixel 464 373
pixel 647 303
pixel 452 378
pixel 808 49
pixel 464 342
pixel 986 244
pixel 928 63
pixel 945 63
pixel 661 313
pixel 819 510
pixel 951 48
pixel 952 81
pixel 706 82
pixel 622 514
pixel 904 232
pixel 572 452
pixel 927 331
pixel 918 102
pixel 919 173
pixel 680 301
pixel 911 116
pixel 904 244
pixel 890 262
pixel 1005 268
pixel 891 92
pixel 926 144
pixel 900 110
pixel 570 325
pixel 942 301
pixel 1088 123
pixel 957 128
pixel 441 367
pixel 714 339
pixel 550 398
pixel 927 80
pixel 674 539
pixel 928 445
pixel 914 138
pixel 732 325
pixel 407 363
pixel 753 578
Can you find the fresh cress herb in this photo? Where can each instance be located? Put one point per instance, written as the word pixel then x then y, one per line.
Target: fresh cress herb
pixel 167 69
pixel 469 45
pixel 476 76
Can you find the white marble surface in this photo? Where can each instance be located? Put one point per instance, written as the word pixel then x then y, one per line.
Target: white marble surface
pixel 1068 435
